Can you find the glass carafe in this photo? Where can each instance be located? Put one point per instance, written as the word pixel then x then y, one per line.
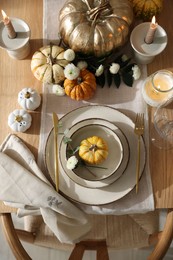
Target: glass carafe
pixel 162 128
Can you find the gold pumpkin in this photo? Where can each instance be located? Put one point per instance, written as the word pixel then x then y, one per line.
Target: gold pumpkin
pixel 146 9
pixel 48 64
pixel 95 27
pixel 93 150
pixel 81 88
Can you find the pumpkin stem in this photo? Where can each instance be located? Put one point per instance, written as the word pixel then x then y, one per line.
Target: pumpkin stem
pixel 86 2
pixel 27 95
pixel 95 12
pixel 79 80
pixel 93 147
pixel 18 118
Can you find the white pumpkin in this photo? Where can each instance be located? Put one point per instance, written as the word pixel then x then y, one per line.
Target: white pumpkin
pixel 19 120
pixel 29 99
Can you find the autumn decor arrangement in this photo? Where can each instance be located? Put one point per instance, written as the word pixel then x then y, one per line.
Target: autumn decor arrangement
pixel 76 75
pixel 89 54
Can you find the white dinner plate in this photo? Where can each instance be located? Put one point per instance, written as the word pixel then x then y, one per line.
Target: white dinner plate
pixel 118 153
pixel 120 187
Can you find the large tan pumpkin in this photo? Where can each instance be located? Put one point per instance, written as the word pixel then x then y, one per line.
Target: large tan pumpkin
pixel 93 150
pixel 48 64
pixel 95 27
pixel 81 88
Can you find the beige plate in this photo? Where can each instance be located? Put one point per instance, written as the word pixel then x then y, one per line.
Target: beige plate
pixel 118 153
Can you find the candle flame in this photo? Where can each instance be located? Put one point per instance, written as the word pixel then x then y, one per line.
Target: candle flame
pixel 153 20
pixel 4 14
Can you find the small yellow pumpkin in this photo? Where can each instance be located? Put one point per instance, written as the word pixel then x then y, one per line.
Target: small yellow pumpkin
pixel 146 9
pixel 93 150
pixel 48 64
pixel 81 88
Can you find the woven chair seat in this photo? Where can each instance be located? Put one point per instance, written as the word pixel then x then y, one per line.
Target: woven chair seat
pixel 120 232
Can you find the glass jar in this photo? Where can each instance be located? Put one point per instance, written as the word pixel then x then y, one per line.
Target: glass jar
pixel 158 88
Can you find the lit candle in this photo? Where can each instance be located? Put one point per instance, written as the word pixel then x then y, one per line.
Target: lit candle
pixel 8 25
pixel 151 32
pixel 158 88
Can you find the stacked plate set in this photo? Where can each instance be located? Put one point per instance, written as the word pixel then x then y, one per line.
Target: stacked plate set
pixel 112 179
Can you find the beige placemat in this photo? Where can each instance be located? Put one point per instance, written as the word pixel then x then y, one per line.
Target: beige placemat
pixel 128 100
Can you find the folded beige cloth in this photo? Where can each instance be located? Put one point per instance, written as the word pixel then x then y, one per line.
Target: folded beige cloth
pixel 23 185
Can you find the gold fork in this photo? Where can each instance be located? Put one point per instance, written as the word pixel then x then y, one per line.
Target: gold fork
pixel 139 130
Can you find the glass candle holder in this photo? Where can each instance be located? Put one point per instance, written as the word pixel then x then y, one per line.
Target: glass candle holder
pixel 158 88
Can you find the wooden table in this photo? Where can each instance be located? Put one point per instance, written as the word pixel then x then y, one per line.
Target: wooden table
pixel 161 161
pixel 16 74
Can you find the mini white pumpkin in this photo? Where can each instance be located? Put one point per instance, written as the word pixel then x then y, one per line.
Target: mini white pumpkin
pixel 29 98
pixel 19 120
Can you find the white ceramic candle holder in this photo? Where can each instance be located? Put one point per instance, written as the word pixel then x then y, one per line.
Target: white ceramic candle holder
pixel 19 47
pixel 145 53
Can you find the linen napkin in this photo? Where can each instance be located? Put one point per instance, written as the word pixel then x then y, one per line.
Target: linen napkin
pixel 23 185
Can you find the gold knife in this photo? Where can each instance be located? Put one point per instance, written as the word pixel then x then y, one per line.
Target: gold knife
pixel 55 124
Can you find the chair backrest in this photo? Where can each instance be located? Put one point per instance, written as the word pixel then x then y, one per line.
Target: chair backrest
pixel 161 239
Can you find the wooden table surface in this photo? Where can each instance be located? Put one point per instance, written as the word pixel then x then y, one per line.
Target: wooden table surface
pixel 16 74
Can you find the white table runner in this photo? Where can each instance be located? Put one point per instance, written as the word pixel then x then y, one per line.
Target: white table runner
pixel 128 100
